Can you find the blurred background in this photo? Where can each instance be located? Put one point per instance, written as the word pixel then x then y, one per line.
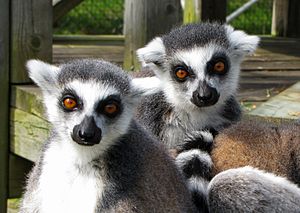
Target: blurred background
pixel 106 17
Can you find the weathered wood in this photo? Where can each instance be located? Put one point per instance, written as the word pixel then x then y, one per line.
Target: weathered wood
pixel 31 35
pixel 274 65
pixel 64 53
pixel 145 19
pixel 18 169
pixel 62 7
pixel 204 10
pixel 28 132
pixel 4 106
pixel 260 86
pixel 13 205
pixel 213 10
pixel 285 105
pixel 192 11
pixel 28 98
pixel 294 19
pixel 104 40
pixel 280 17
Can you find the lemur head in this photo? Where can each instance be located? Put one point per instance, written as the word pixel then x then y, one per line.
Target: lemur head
pixel 89 102
pixel 198 63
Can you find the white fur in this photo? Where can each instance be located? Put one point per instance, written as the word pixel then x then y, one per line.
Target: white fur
pixel 241 43
pixel 154 51
pixel 43 74
pixel 198 184
pixel 187 156
pixel 146 86
pixel 63 187
pixel 90 93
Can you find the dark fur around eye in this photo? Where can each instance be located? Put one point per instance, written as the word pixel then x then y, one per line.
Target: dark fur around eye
pixel 70 94
pixel 176 68
pixel 112 99
pixel 218 57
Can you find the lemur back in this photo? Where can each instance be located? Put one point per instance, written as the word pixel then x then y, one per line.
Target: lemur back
pixel 98 159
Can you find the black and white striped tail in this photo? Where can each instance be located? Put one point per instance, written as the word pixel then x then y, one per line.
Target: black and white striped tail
pixel 196 164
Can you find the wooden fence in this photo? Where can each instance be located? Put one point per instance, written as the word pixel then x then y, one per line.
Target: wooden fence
pixel 26 33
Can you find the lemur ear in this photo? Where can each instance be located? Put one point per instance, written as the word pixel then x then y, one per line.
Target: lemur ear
pixel 145 86
pixel 43 74
pixel 153 53
pixel 241 43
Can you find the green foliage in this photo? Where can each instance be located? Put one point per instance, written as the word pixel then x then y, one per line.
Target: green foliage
pixel 256 20
pixel 106 17
pixel 93 17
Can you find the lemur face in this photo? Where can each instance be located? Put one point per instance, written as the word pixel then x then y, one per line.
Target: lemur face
pixel 88 101
pixel 198 63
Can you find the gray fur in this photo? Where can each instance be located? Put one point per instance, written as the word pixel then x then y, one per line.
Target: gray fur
pixel 251 190
pixel 195 35
pixel 171 116
pixel 129 170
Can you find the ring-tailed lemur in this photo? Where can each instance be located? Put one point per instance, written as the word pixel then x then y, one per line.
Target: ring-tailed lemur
pixel 199 65
pixel 98 159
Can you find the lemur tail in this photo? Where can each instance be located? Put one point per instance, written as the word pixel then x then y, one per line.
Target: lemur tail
pixel 196 164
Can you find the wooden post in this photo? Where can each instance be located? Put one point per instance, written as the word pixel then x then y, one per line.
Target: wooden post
pixel 145 19
pixel 4 105
pixel 31 35
pixel 280 17
pixel 192 11
pixel 204 10
pixel 213 10
pixel 294 19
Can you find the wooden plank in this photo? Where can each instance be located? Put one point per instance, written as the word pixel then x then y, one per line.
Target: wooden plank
pixel 62 7
pixel 28 132
pixel 13 205
pixel 18 169
pixel 31 31
pixel 145 19
pixel 106 40
pixel 280 17
pixel 28 98
pixel 275 65
pixel 294 19
pixel 64 53
pixel 285 105
pixel 4 106
pixel 262 85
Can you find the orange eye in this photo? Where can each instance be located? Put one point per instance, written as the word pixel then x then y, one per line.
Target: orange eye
pixel 219 67
pixel 69 103
pixel 181 74
pixel 111 108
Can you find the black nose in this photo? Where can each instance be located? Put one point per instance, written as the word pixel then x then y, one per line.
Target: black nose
pixel 87 132
pixel 205 96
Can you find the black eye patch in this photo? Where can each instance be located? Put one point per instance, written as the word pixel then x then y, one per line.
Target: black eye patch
pixel 67 99
pixel 181 72
pixel 111 106
pixel 218 64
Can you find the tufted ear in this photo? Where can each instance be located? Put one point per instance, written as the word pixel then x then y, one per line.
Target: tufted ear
pixel 241 43
pixel 146 86
pixel 43 74
pixel 153 53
